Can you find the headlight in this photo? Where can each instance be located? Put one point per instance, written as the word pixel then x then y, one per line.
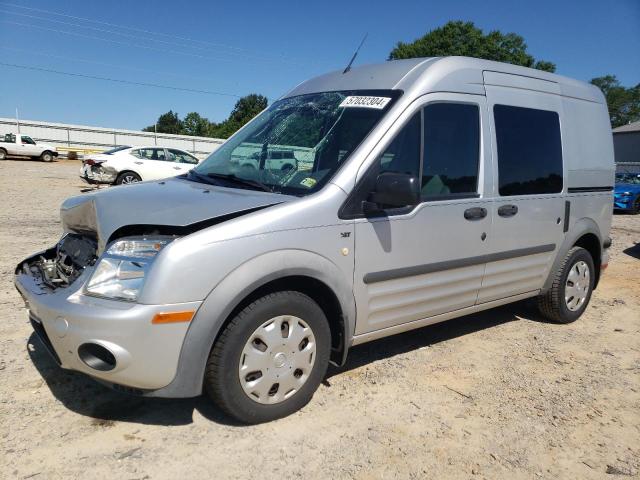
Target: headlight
pixel 120 273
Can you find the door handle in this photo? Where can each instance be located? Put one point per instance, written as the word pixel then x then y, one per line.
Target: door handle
pixel 475 213
pixel 176 168
pixel 138 163
pixel 507 210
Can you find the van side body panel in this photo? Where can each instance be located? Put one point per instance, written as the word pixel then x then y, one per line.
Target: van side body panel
pixel 535 226
pixel 408 265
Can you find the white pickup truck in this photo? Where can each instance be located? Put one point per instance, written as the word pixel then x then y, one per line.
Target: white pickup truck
pixel 23 146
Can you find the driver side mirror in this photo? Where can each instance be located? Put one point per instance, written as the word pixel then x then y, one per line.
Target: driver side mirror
pixel 392 190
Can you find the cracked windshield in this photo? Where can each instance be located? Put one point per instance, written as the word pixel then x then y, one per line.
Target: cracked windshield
pixel 297 144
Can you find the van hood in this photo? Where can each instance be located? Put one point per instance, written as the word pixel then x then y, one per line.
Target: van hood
pixel 172 205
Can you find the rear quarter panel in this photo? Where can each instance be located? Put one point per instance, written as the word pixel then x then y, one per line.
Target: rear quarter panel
pixel 589 159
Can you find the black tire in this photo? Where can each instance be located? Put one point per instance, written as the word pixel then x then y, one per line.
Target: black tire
pixel 3 154
pixel 127 178
pixel 552 304
pixel 46 156
pixel 635 210
pixel 222 382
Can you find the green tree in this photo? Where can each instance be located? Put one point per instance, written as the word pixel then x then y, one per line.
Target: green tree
pixel 194 124
pixel 248 107
pixel 464 38
pixel 167 123
pixel 244 110
pixel 623 103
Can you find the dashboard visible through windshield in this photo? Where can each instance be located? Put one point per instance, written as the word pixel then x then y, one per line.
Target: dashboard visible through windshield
pixel 296 145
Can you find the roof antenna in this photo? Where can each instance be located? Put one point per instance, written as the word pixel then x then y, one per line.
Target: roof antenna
pixel 355 54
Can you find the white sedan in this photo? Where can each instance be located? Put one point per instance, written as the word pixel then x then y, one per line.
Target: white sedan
pixel 124 165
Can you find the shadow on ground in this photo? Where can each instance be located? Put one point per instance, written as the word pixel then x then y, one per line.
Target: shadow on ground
pixel 84 396
pixel 440 332
pixel 633 251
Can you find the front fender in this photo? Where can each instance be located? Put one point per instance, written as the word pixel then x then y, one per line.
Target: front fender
pixel 234 288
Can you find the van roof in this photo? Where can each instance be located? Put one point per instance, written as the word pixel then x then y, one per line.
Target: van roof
pixel 453 74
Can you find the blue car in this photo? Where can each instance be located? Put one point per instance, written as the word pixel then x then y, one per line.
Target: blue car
pixel 626 195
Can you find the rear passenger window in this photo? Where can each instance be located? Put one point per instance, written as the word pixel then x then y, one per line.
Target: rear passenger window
pixel 529 150
pixel 451 149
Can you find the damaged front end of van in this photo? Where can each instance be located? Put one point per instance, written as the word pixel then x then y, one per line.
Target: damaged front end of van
pixel 84 295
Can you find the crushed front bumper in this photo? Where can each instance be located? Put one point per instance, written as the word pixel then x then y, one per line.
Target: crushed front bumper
pixel 146 355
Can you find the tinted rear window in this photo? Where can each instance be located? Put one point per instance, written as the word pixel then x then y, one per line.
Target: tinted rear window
pixel 529 150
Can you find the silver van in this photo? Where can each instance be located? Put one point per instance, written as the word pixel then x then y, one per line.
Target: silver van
pixel 424 190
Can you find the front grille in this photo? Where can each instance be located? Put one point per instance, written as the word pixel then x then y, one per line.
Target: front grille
pixel 44 338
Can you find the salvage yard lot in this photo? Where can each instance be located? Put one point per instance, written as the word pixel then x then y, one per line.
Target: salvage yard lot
pixel 498 394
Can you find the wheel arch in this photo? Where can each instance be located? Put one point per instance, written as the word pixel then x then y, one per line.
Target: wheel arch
pixel 586 234
pixel 297 270
pixel 592 244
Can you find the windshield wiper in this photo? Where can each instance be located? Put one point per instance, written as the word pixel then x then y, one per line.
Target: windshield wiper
pixel 198 177
pixel 241 181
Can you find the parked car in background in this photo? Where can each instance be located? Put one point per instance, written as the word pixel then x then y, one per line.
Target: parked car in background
pixel 283 160
pixel 125 164
pixel 626 196
pixel 24 146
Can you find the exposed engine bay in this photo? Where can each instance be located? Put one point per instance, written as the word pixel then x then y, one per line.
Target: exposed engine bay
pixel 60 266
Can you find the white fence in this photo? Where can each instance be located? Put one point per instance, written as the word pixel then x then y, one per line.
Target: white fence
pixel 80 137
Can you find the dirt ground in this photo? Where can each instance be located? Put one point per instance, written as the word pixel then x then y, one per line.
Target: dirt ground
pixel 500 394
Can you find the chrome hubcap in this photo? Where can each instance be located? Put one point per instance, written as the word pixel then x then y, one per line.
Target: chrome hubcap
pixel 577 287
pixel 277 359
pixel 129 179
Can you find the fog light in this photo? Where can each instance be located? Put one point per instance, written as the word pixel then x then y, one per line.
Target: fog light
pixel 97 357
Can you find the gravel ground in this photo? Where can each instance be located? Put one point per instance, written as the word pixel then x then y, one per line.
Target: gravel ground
pixel 500 394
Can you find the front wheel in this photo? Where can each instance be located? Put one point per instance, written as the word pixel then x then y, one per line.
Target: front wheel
pixel 270 358
pixel 635 210
pixel 46 157
pixel 571 290
pixel 3 154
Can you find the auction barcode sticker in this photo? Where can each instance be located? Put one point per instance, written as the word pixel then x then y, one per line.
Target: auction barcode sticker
pixel 365 102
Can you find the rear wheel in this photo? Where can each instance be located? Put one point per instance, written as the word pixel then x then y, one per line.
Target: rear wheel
pixel 125 178
pixel 46 156
pixel 3 154
pixel 270 358
pixel 571 290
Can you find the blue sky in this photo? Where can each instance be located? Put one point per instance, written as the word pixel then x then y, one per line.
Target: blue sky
pixel 264 47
